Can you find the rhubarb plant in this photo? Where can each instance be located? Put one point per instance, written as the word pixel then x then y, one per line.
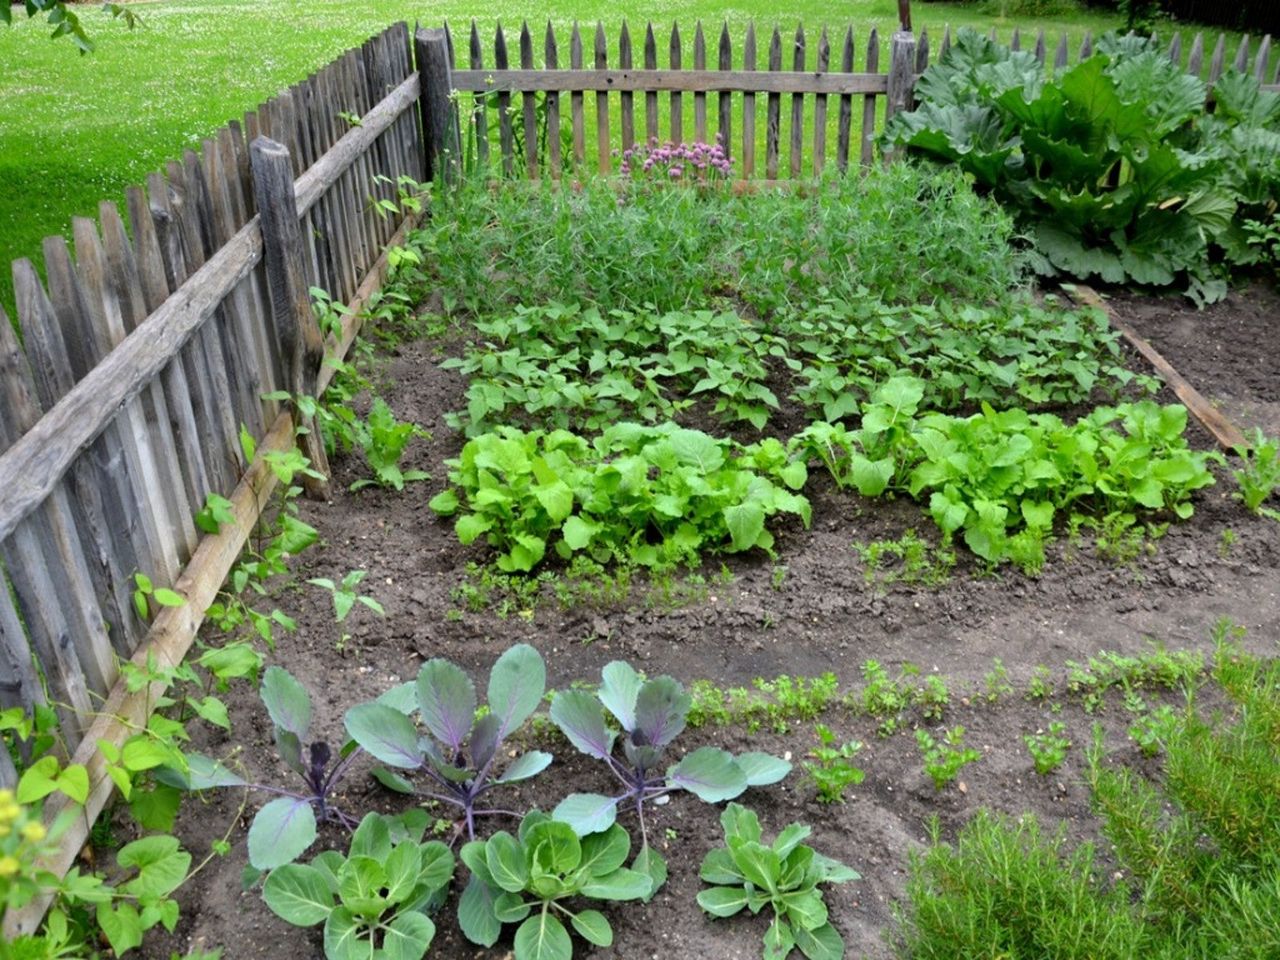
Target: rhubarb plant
pixel 650 713
pixel 461 755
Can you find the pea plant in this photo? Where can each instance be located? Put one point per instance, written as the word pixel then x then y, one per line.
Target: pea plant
pixel 651 713
pixel 786 876
pixel 461 754
pixel 285 827
pixel 538 878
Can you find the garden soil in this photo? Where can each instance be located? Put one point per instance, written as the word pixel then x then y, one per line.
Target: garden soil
pixel 810 611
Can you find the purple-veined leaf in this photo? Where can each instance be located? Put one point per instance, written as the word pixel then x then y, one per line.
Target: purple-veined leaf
pixel 386 733
pixel 762 769
pixel 710 774
pixel 286 701
pixel 528 765
pixel 516 684
pixel 281 831
pixel 484 741
pixel 661 708
pixel 619 687
pixel 579 717
pixel 447 701
pixel 431 750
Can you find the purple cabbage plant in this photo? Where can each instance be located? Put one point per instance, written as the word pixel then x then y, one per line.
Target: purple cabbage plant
pixel 651 714
pixel 461 754
pixel 285 827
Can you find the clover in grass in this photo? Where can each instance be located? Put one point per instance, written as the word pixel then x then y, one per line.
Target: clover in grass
pixel 285 827
pixel 785 875
pixel 651 713
pixel 374 901
pixel 540 879
pixel 461 754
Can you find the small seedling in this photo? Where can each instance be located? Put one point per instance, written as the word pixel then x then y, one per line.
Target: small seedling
pixel 996 682
pixel 147 597
pixel 1048 750
pixel 345 596
pixel 786 876
pixel 830 769
pixel 1153 730
pixel 1041 685
pixel 944 758
pixel 1259 474
pixel 1226 541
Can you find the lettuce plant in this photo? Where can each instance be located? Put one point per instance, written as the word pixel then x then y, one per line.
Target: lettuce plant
pixel 374 901
pixel 785 875
pixel 461 754
pixel 651 713
pixel 286 826
pixel 532 879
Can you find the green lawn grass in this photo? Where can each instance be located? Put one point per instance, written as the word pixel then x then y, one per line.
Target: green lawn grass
pixel 78 129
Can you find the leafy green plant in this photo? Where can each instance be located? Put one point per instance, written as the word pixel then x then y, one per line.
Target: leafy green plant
pixel 373 901
pixel 907 559
pixel 462 754
pixel 383 439
pixel 785 876
pixel 1048 749
pixel 651 712
pixel 537 878
pixel 285 827
pixel 1153 729
pixel 345 596
pixel 147 597
pixel 648 496
pixel 1106 161
pixel 1259 474
pixel 944 758
pixel 830 769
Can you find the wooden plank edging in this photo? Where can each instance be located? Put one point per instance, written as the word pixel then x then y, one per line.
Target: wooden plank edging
pixel 1228 435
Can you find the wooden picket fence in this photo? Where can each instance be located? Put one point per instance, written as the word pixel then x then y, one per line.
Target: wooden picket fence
pixel 661 82
pixel 121 408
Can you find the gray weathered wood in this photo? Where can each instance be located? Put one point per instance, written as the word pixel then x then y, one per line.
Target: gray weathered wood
pixel 1062 54
pixel 506 138
pixel 798 55
pixel 627 110
pixel 946 41
pixel 922 51
pixel 552 57
pixel 675 53
pixel 1219 59
pixel 675 81
pixel 1086 45
pixel 440 136
pixel 529 106
pixel 901 84
pixel 650 96
pixel 1015 42
pixel 773 111
pixel 1241 62
pixel 295 325
pixel 1196 58
pixel 724 112
pixel 749 106
pixel 820 108
pixel 844 125
pixel 576 111
pixel 479 110
pixel 869 102
pixel 1262 59
pixel 700 97
pixel 1041 50
pixel 603 141
pixel 1175 48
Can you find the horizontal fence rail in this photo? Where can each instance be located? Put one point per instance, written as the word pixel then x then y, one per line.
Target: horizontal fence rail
pixel 516 119
pixel 142 358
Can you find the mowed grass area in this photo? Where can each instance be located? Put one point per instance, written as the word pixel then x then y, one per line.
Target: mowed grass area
pixel 75 130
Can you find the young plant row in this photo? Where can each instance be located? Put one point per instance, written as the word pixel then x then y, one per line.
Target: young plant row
pixel 655 496
pixel 435 742
pixel 570 367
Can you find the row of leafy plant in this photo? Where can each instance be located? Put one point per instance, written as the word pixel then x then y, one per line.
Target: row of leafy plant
pixel 1115 166
pixel 656 496
pixel 572 367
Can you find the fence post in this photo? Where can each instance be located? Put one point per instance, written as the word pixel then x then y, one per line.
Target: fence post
pixel 441 138
pixel 301 343
pixel 902 73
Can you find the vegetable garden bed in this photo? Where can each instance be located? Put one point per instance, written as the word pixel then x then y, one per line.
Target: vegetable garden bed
pixel 958 640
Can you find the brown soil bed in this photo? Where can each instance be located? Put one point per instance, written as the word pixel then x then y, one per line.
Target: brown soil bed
pixel 822 616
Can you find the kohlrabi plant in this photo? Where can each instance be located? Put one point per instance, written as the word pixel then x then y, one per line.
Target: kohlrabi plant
pixel 651 713
pixel 286 826
pixel 374 901
pixel 785 875
pixel 461 755
pixel 538 879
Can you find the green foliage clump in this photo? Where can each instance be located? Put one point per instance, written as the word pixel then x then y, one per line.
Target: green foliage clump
pixel 830 768
pixel 1259 474
pixel 785 876
pixel 944 758
pixel 650 496
pixel 1113 164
